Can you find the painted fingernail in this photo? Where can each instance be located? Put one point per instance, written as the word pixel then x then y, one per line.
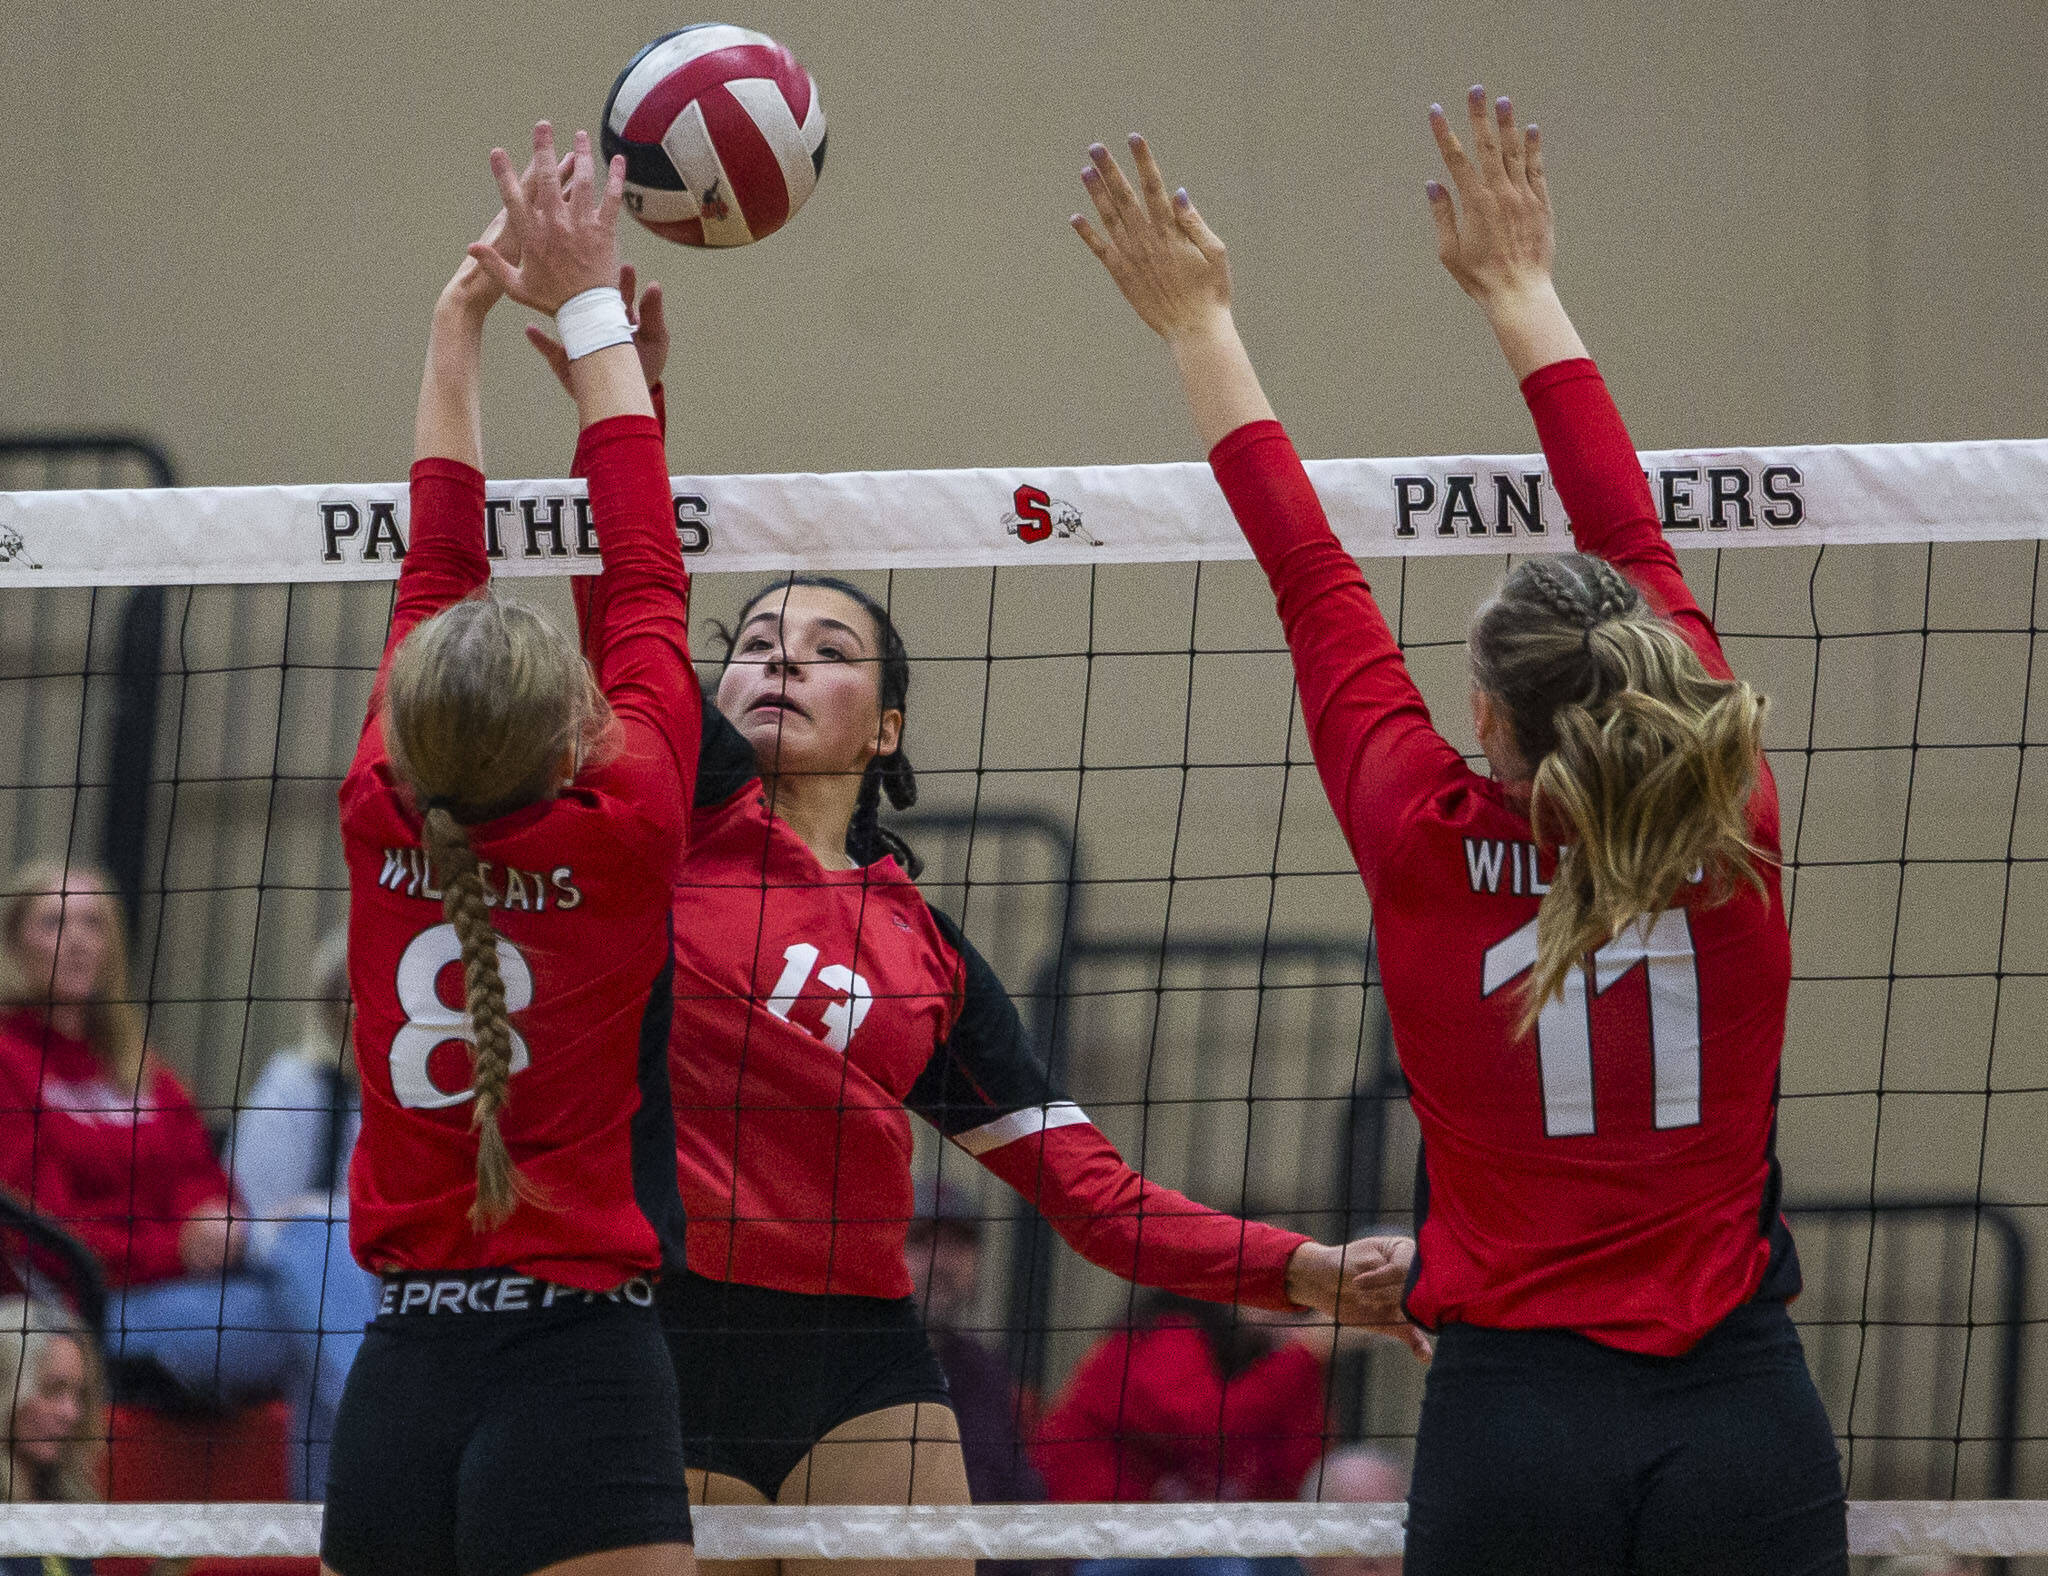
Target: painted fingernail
pixel 1136 139
pixel 1503 105
pixel 1436 112
pixel 1097 151
pixel 1180 195
pixel 1089 173
pixel 1435 191
pixel 1476 92
pixel 1532 128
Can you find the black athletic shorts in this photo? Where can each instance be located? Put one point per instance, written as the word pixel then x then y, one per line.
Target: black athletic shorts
pixel 1544 1453
pixel 500 1424
pixel 764 1375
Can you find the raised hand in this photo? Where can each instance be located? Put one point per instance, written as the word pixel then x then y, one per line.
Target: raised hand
pixel 472 288
pixel 1165 260
pixel 566 233
pixel 1505 237
pixel 650 331
pixel 1497 237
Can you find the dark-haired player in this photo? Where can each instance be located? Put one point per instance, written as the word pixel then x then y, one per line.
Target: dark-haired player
pixel 512 823
pixel 1585 955
pixel 818 1000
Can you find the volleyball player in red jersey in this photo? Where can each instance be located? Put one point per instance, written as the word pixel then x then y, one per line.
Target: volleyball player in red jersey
pixel 1585 955
pixel 818 999
pixel 512 822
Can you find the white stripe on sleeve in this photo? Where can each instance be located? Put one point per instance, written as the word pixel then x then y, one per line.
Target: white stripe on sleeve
pixel 1020 1124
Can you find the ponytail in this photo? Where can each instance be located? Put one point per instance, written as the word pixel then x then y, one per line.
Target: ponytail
pixel 867 839
pixel 485 704
pixel 1644 763
pixel 499 1185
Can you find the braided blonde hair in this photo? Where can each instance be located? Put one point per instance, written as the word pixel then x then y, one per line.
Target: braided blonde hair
pixel 1643 763
pixel 484 705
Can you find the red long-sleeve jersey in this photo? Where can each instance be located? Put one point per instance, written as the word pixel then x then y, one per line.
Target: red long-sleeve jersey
pixel 1149 1415
pixel 1614 1174
pixel 813 1008
pixel 119 1170
pixel 580 887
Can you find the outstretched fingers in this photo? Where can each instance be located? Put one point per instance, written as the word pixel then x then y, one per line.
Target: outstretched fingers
pixel 1194 226
pixel 1150 181
pixel 1110 187
pixel 1445 213
pixel 1090 236
pixel 1485 136
pixel 1511 156
pixel 578 195
pixel 1457 162
pixel 1533 165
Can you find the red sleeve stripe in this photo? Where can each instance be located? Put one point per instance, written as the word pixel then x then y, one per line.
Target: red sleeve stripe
pixel 1032 1120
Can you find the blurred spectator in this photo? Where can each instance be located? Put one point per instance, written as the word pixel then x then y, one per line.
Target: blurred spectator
pixel 297 1128
pixel 943 1250
pixel 55 1399
pixel 97 1134
pixel 289 1156
pixel 1928 1565
pixel 1196 1401
pixel 1356 1475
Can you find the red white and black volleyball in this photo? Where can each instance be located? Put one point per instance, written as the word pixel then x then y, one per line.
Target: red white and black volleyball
pixel 722 131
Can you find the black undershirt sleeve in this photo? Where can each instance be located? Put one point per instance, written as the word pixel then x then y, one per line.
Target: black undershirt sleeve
pixel 725 761
pixel 987 1066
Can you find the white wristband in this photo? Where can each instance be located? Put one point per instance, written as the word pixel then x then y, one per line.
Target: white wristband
pixel 594 320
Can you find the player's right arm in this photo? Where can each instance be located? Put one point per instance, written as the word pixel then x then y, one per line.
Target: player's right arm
pixel 444 559
pixel 1374 744
pixel 637 638
pixel 1498 240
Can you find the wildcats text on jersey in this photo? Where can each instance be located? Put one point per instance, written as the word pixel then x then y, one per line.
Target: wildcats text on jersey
pixel 409 872
pixel 1497 865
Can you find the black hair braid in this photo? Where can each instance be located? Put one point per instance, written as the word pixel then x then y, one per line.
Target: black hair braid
pixel 887 775
pixel 867 839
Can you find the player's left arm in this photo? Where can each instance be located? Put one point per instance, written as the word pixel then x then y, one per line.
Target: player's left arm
pixel 989 1093
pixel 1497 237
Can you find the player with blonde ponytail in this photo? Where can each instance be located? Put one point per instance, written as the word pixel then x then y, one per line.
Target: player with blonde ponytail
pixel 1645 761
pixel 1585 954
pixel 513 823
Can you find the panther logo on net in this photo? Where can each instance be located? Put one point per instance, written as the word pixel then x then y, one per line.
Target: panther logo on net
pixel 1035 515
pixel 14 548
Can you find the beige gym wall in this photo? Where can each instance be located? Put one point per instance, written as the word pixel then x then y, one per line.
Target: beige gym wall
pixel 1780 222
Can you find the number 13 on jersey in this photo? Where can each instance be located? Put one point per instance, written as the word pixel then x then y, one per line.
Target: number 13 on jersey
pixel 1663 948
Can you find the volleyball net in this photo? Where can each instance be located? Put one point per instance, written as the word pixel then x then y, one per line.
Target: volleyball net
pixel 1118 805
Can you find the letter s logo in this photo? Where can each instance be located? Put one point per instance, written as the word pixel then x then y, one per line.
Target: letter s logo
pixel 1034 513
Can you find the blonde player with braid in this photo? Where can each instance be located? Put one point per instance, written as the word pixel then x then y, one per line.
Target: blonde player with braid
pixel 513 822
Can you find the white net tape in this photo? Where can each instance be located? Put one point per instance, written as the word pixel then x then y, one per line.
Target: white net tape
pixel 1007 1532
pixel 1820 495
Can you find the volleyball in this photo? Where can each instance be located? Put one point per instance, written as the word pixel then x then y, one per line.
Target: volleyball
pixel 723 134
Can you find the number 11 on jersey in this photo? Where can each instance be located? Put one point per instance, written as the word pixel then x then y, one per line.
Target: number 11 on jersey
pixel 1663 947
